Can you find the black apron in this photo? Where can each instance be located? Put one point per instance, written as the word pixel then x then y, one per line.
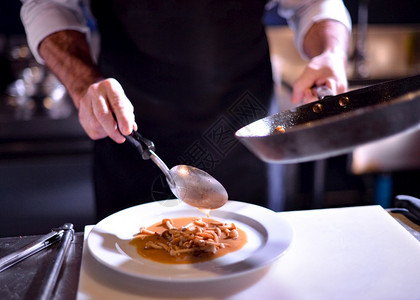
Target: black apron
pixel 195 72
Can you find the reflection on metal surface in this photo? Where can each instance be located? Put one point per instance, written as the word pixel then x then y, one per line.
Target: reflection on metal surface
pixel 317 108
pixel 343 101
pixel 36 94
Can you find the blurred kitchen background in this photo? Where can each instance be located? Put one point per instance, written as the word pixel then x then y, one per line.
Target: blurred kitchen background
pixel 45 157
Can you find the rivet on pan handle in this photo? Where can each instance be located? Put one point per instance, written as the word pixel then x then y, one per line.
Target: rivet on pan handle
pixel 317 108
pixel 343 101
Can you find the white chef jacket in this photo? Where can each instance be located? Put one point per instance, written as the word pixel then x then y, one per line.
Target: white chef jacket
pixel 44 17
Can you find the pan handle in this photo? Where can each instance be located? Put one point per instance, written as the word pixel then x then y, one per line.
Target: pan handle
pixel 322 91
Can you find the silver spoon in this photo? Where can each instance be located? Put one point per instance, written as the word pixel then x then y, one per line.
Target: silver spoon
pixel 193 186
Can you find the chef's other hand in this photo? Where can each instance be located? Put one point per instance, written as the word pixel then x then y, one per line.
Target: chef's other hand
pixel 325 69
pixel 97 108
pixel 326 44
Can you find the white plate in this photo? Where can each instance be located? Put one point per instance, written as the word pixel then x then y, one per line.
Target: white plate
pixel 268 238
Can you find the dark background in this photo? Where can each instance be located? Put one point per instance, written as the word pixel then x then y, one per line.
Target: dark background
pixel 380 12
pixel 43 189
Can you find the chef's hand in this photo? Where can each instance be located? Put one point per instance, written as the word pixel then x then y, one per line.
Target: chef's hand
pixel 326 43
pixel 67 55
pixel 326 69
pixel 97 108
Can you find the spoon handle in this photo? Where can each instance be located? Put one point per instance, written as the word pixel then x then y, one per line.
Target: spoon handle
pixel 147 151
pixel 136 140
pixel 143 145
pixel 156 159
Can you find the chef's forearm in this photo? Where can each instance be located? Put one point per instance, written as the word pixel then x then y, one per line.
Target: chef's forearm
pixel 67 55
pixel 327 35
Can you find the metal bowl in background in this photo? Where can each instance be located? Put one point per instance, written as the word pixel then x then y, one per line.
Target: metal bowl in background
pixel 34 91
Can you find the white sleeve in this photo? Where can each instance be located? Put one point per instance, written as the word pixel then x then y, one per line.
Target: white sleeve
pixel 302 14
pixel 44 17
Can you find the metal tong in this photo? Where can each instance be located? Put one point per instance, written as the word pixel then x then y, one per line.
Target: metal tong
pixel 64 235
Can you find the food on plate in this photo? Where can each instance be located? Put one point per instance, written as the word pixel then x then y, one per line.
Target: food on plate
pixel 188 240
pixel 280 129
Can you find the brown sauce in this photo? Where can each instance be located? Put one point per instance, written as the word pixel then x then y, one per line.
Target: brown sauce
pixel 162 256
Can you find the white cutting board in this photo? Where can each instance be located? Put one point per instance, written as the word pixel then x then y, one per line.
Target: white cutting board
pixel 352 253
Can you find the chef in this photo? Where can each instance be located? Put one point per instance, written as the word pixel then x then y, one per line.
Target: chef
pixel 186 74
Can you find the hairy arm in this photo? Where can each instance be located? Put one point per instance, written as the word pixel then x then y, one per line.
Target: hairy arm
pixel 67 55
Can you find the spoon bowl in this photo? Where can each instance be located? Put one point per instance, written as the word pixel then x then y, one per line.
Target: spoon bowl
pixel 197 188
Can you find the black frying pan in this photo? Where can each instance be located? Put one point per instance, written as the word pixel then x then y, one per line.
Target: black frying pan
pixel 336 124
